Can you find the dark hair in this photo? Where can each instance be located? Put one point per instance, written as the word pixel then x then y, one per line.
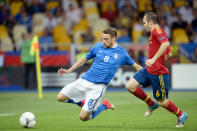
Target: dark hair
pixel 111 31
pixel 152 16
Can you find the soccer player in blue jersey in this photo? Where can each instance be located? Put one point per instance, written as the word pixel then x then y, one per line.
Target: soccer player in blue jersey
pixel 108 57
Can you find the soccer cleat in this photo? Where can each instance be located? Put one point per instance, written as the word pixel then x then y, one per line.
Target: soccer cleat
pixel 82 102
pixel 108 104
pixel 181 120
pixel 151 109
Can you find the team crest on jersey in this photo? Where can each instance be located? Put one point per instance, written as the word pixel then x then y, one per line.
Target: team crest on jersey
pixel 116 56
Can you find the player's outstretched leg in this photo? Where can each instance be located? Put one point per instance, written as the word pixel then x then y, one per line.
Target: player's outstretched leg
pixel 171 107
pixel 143 96
pixel 62 98
pixel 133 87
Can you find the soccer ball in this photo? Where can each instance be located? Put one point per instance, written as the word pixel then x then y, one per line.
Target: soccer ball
pixel 27 120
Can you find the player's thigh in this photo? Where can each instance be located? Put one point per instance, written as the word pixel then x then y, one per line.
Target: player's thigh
pixel 73 91
pixel 161 85
pixel 139 78
pixel 94 97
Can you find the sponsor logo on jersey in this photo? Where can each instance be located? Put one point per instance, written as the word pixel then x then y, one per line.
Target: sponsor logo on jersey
pixel 100 51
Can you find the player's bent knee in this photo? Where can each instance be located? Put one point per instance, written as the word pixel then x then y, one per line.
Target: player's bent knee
pixel 84 118
pixel 161 103
pixel 84 115
pixel 130 88
pixel 61 98
pixel 132 85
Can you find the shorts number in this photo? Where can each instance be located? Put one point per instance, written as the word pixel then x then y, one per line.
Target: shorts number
pixel 106 58
pixel 158 94
pixel 90 103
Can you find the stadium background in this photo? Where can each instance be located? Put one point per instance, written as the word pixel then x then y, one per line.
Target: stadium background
pixel 67 29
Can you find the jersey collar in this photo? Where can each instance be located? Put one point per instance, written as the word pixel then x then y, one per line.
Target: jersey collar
pixel 115 45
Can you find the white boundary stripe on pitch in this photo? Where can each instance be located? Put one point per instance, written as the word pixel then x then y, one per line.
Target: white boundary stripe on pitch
pixel 7 114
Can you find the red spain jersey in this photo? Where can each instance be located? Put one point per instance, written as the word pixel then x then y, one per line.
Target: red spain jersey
pixel 157 37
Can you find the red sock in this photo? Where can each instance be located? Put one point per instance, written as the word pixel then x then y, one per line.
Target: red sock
pixel 170 106
pixel 139 93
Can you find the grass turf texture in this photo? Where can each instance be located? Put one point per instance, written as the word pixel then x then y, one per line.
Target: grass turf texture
pixel 129 114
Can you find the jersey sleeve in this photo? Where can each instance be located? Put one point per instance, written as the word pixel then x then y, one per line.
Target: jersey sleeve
pixel 161 37
pixel 92 53
pixel 128 60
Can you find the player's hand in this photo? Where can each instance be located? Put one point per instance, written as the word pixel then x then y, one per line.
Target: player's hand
pixel 150 62
pixel 61 71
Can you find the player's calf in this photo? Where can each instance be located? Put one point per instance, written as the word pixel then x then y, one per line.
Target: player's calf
pixel 62 98
pixel 171 107
pixel 138 92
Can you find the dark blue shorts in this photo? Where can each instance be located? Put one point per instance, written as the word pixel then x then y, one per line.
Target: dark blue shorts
pixel 160 83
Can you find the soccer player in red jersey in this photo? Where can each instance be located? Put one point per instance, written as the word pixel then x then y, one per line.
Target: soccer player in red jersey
pixel 155 73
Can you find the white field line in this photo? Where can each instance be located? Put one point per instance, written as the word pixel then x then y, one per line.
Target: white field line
pixel 7 114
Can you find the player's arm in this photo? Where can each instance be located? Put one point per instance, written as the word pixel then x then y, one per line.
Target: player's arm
pixel 136 66
pixel 161 50
pixel 130 62
pixel 78 64
pixel 168 55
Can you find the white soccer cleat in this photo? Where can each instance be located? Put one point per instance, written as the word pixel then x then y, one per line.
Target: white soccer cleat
pixel 151 109
pixel 180 125
pixel 148 113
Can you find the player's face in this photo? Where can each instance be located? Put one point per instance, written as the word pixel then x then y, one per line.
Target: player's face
pixel 107 40
pixel 147 26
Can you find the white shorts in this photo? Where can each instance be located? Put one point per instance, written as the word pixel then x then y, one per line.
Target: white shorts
pixel 83 89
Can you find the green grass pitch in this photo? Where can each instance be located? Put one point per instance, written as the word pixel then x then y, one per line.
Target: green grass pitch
pixel 128 115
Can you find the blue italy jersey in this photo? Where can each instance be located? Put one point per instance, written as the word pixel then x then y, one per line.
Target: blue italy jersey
pixel 106 62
